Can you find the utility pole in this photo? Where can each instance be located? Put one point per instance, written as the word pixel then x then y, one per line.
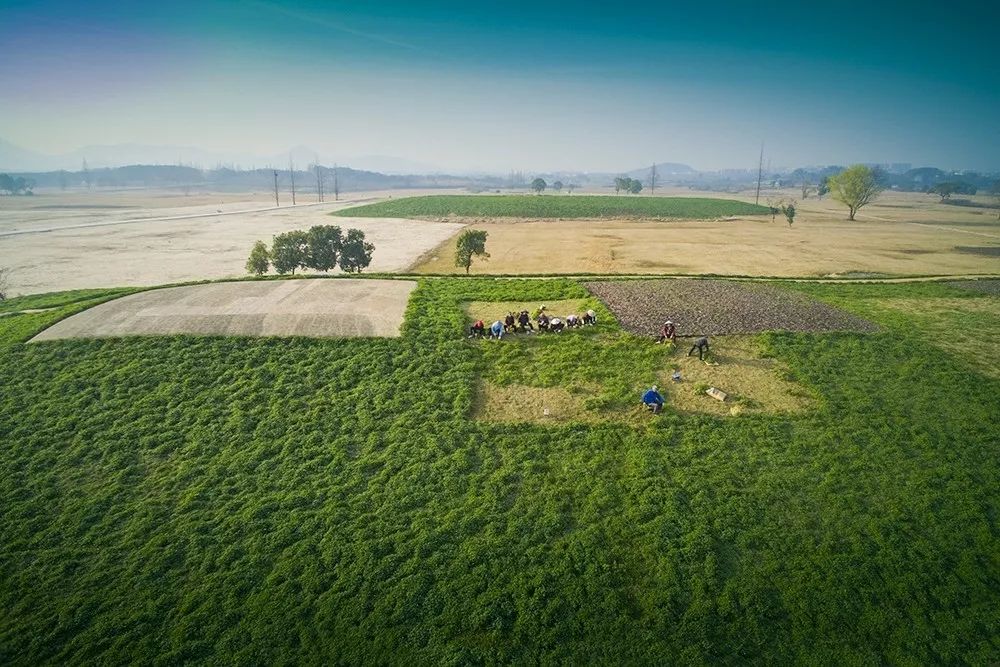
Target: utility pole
pixel 336 184
pixel 276 188
pixel 291 173
pixel 319 183
pixel 652 179
pixel 760 167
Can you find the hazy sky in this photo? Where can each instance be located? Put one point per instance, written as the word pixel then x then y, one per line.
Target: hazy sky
pixel 501 85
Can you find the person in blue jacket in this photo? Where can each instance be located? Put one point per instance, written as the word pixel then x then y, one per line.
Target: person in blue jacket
pixel 496 330
pixel 653 400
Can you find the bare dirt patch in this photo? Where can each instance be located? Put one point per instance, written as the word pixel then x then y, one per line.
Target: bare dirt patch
pixel 984 286
pixel 316 308
pixel 901 234
pixel 716 307
pixel 985 251
pixel 166 245
pixel 755 385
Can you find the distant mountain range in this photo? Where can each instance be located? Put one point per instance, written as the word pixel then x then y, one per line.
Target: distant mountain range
pixel 14 158
pixel 663 170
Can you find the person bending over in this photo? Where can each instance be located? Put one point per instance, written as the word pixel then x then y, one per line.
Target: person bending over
pixel 556 325
pixel 478 329
pixel 668 332
pixel 496 331
pixel 509 323
pixel 702 346
pixel 590 317
pixel 653 400
pixel 572 321
pixel 524 321
pixel 543 322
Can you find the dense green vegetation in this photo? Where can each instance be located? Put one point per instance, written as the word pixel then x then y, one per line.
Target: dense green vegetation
pixel 329 501
pixel 554 206
pixel 17 326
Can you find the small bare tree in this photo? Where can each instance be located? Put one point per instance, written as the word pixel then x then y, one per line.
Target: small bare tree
pixel 788 210
pixel 276 187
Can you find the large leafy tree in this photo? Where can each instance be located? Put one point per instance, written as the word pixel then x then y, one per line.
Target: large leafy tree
pixel 472 242
pixel 538 185
pixel 260 259
pixel 634 186
pixel 855 187
pixel 325 245
pixel 355 253
pixel 289 251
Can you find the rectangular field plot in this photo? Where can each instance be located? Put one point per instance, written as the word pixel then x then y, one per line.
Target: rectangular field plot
pixel 314 308
pixel 716 307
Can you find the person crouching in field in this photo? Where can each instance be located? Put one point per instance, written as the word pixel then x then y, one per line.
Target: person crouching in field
pixel 590 317
pixel 668 332
pixel 509 323
pixel 557 325
pixel 478 329
pixel 653 400
pixel 496 331
pixel 543 322
pixel 524 322
pixel 572 321
pixel 702 346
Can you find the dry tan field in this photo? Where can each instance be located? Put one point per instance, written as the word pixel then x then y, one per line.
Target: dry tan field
pixel 317 308
pixel 167 244
pixel 900 234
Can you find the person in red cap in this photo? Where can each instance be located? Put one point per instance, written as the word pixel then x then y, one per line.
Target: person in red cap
pixel 668 332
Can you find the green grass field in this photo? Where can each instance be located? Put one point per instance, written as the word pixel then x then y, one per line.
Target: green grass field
pixel 554 206
pixel 244 500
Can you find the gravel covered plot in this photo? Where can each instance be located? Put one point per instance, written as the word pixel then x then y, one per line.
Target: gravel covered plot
pixel 984 286
pixel 316 308
pixel 717 307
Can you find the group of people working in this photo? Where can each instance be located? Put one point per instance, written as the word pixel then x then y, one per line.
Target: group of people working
pixel 652 398
pixel 522 323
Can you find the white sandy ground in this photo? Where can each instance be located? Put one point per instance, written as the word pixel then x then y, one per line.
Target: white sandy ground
pixel 96 241
pixel 316 308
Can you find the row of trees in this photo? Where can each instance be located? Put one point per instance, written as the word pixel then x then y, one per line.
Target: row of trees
pixel 321 248
pixel 632 186
pixel 16 185
pixel 538 186
pixel 859 185
pixel 948 188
